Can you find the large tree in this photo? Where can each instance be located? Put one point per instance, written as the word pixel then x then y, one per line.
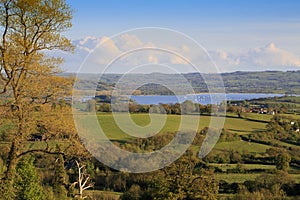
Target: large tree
pixel 29 30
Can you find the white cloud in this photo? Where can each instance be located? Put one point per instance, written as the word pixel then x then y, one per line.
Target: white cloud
pixel 107 52
pixel 178 60
pixel 127 42
pixel 270 55
pixel 110 49
pixel 263 58
pixel 152 59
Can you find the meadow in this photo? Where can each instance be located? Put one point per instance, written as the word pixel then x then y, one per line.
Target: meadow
pixel 235 125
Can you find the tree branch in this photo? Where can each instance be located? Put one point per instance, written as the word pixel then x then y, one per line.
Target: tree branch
pixel 40 151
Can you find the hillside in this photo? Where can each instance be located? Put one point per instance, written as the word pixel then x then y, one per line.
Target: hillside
pixel 235 82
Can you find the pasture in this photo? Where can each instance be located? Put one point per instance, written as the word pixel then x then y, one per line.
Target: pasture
pixel 235 125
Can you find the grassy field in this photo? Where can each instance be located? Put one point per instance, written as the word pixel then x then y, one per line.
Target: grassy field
pixel 97 194
pixel 236 178
pixel 243 126
pixel 112 130
pixel 240 178
pixel 257 116
pixel 232 124
pixel 241 146
pixel 292 116
pixel 224 167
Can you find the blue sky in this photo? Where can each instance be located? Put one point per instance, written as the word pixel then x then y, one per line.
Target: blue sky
pixel 253 22
pixel 177 13
pixel 227 25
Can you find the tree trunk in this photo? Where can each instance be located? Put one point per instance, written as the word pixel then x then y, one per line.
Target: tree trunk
pixel 12 162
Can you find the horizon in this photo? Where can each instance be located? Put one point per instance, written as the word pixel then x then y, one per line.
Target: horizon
pixel 111 73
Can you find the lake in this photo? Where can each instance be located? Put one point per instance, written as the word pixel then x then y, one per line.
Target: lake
pixel 198 98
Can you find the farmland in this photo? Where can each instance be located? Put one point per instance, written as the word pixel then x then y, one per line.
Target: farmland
pixel 239 126
pixel 234 159
pixel 236 125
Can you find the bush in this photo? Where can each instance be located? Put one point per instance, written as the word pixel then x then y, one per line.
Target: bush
pixel 28 183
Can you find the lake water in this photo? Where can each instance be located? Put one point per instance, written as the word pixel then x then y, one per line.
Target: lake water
pixel 198 98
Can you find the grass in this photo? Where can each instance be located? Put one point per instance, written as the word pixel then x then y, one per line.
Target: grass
pixel 233 124
pixel 241 146
pixel 241 178
pixel 236 125
pixel 224 167
pixel 114 132
pixel 286 144
pixel 294 116
pixel 243 126
pixel 257 116
pixel 236 178
pixel 97 194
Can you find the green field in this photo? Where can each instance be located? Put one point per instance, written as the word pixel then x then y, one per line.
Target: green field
pixel 234 125
pixel 240 178
pixel 241 146
pixel 243 126
pixel 292 116
pixel 236 178
pixel 224 167
pixel 97 194
pixel 257 116
pixel 112 130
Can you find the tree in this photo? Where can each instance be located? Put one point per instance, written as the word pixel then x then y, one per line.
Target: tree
pixel 30 28
pixel 282 161
pixel 60 179
pixel 187 107
pixel 28 182
pixel 180 181
pixel 83 182
pixel 104 107
pixel 91 105
pixel 265 187
pixel 134 193
pixel 239 111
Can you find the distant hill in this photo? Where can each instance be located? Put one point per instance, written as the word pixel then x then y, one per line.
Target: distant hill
pixel 236 82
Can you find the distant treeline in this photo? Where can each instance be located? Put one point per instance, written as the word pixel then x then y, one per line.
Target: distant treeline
pixel 187 107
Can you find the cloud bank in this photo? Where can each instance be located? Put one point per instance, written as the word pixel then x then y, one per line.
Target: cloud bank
pixel 268 57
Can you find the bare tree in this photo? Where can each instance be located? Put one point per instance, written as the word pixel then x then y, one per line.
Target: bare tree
pixel 84 181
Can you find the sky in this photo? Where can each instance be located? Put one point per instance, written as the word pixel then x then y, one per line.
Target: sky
pixel 234 29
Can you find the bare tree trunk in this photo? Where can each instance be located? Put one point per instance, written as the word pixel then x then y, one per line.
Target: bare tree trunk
pixel 84 181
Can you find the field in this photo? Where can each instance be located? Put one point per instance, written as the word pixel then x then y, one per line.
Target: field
pixel 224 167
pixel 240 178
pixel 236 125
pixel 257 116
pixel 236 178
pixel 96 194
pixel 241 146
pixel 250 125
